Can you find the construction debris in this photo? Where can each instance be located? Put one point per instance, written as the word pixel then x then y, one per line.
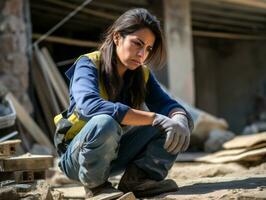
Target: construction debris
pixel 249 148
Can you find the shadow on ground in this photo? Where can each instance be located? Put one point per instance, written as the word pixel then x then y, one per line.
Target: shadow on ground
pixel 204 188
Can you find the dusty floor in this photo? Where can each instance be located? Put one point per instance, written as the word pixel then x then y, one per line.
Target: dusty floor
pixel 218 181
pixel 206 181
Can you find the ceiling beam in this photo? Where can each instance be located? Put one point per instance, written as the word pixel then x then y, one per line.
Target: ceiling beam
pixel 219 27
pixel 67 41
pixel 226 5
pixel 228 14
pixel 225 21
pixel 227 35
pixel 252 3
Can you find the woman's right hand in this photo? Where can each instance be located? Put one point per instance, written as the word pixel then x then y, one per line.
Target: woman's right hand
pixel 176 130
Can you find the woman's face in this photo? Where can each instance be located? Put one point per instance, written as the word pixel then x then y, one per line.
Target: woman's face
pixel 133 50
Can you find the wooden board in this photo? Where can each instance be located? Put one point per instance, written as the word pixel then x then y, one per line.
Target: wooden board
pixel 246 156
pixel 8 147
pixel 55 72
pixel 74 192
pixel 26 162
pixel 230 152
pixel 245 141
pixel 30 124
pixel 23 176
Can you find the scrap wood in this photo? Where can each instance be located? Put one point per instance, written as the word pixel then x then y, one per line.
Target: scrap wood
pixel 43 75
pixel 230 152
pixel 47 70
pixel 245 141
pixel 71 192
pixel 246 156
pixel 30 124
pixel 55 72
pixel 8 147
pixel 48 103
pixel 26 162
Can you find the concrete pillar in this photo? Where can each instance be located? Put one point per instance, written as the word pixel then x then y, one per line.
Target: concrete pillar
pixel 179 49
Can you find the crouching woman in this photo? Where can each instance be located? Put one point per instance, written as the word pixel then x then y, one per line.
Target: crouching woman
pixel 106 130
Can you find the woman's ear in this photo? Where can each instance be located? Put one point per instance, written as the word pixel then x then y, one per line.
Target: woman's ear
pixel 116 38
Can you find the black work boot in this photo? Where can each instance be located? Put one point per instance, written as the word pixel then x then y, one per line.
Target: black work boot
pixel 103 192
pixel 137 181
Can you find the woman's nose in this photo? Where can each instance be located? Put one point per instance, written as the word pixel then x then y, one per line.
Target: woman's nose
pixel 141 53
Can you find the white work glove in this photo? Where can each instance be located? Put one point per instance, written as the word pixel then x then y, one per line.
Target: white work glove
pixel 176 130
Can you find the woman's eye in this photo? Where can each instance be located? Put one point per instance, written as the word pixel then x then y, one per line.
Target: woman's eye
pixel 137 43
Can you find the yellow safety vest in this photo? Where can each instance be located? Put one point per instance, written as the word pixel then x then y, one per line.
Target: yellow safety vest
pixel 73 122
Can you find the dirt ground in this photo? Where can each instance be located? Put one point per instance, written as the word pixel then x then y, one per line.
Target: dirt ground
pixel 200 181
pixel 217 181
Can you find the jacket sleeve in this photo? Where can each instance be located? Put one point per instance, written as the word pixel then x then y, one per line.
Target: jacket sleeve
pixel 85 91
pixel 158 101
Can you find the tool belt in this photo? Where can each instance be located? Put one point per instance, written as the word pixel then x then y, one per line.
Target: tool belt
pixel 66 129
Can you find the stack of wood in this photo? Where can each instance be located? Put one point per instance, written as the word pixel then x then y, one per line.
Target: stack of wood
pixel 50 88
pixel 23 168
pixel 15 171
pixel 245 148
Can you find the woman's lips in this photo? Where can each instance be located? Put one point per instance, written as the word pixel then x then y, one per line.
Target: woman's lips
pixel 136 62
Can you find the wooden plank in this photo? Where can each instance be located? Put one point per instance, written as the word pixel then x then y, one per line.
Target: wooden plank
pixel 26 162
pixel 71 192
pixel 67 41
pixel 55 72
pixel 219 27
pixel 48 104
pixel 253 3
pixel 245 141
pixel 50 78
pixel 227 5
pixel 252 155
pixel 232 36
pixel 8 148
pixel 227 21
pixel 26 176
pixel 228 14
pixel 43 66
pixel 30 124
pixel 231 152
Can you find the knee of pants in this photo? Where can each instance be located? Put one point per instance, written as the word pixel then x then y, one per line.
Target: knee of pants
pixel 101 128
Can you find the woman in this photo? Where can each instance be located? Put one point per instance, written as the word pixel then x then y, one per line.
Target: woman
pixel 105 129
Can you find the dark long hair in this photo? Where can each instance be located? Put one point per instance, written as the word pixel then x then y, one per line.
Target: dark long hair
pixel 129 22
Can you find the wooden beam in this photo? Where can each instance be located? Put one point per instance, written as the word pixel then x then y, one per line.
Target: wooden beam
pixel 67 41
pixel 55 74
pixel 26 162
pixel 48 104
pixel 227 5
pixel 29 124
pixel 253 3
pixel 228 14
pixel 227 35
pixel 51 78
pixel 225 21
pixel 84 10
pixel 219 27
